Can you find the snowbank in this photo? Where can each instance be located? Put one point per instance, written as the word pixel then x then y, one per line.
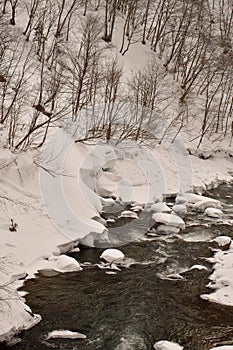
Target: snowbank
pixel 15 315
pixel 222 277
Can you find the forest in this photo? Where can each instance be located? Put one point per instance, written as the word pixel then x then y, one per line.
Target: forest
pixel 60 59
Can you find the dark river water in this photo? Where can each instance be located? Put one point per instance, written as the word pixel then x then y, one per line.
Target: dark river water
pixel 141 304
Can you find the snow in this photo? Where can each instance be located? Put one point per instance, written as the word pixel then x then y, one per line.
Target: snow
pixel 65 334
pixel 213 212
pixel 202 205
pixel 222 240
pixel 179 209
pixel 137 208
pixel 160 208
pixel 63 263
pixel 169 219
pixel 112 255
pixel 222 277
pixel 14 313
pixel 128 214
pixel 167 345
pixel 193 198
pixel 198 267
pixel 107 201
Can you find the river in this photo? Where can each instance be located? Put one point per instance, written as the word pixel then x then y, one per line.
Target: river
pixel 142 303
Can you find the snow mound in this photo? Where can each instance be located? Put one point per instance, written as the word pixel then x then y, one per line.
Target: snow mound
pixel 65 334
pixel 64 263
pixel 112 255
pixel 167 345
pixel 169 219
pixel 202 205
pixel 179 209
pixel 213 212
pixel 160 208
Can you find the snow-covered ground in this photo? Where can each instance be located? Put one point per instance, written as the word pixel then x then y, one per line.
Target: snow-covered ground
pixel 55 196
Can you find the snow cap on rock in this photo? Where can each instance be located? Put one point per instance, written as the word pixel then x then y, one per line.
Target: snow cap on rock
pixel 167 345
pixel 222 242
pixel 112 255
pixel 213 212
pixel 169 219
pixel 160 208
pixel 65 263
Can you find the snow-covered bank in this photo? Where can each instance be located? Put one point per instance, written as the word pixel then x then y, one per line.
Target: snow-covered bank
pixel 15 314
pixel 222 277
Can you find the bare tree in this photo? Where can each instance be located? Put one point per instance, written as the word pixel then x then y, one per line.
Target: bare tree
pixel 110 17
pixel 13 4
pixel 82 66
pixel 31 10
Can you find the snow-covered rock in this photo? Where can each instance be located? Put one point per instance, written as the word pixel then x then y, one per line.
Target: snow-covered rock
pixel 137 208
pixel 75 250
pixel 193 198
pixel 167 345
pixel 222 242
pixel 110 221
pixel 64 263
pixel 112 255
pixel 198 267
pixel 128 214
pixel 107 202
pixel 65 334
pixel 202 205
pixel 213 212
pixel 169 219
pixel 179 209
pixel 160 208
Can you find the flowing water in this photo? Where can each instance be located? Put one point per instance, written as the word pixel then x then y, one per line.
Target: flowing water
pixel 152 299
